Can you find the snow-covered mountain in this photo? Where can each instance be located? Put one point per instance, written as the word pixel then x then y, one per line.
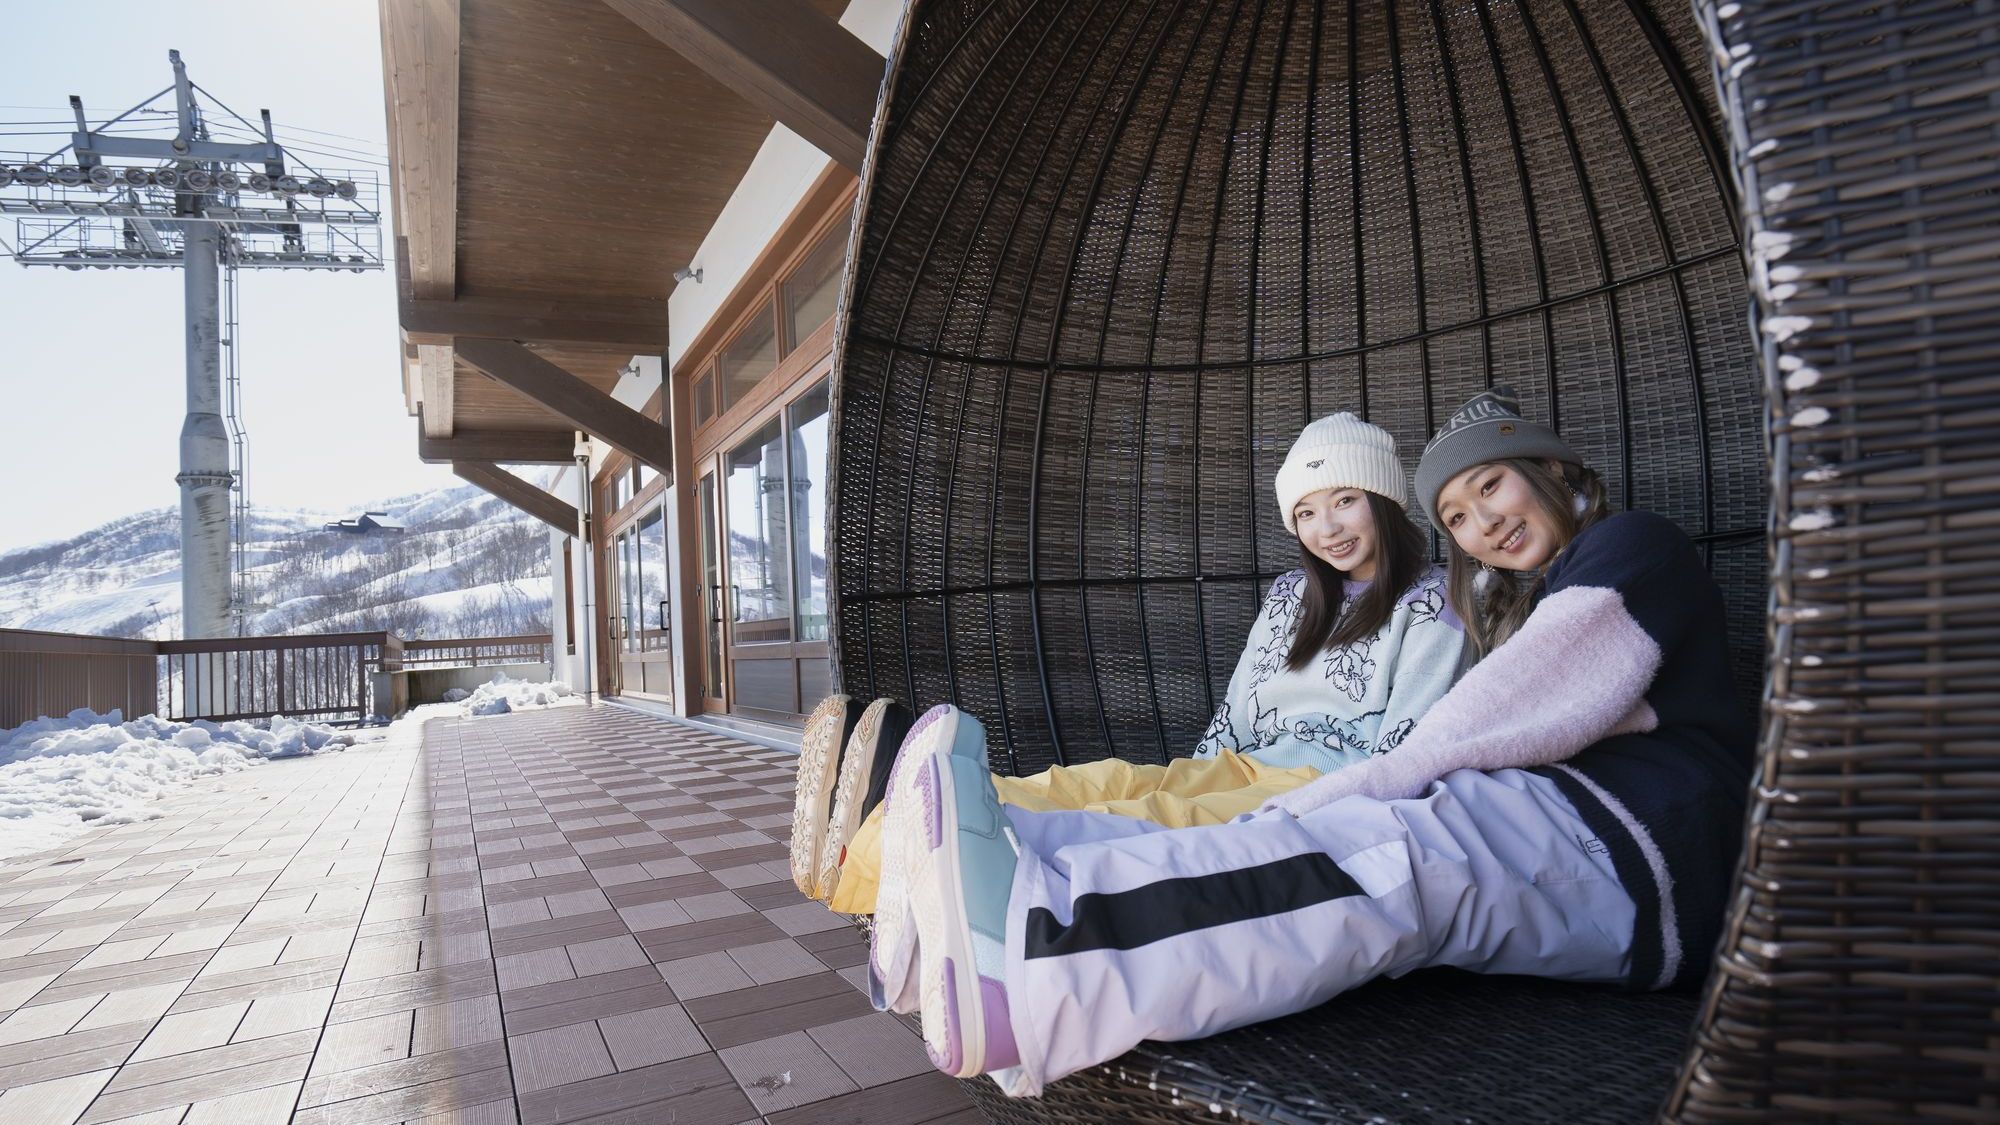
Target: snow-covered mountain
pixel 468 566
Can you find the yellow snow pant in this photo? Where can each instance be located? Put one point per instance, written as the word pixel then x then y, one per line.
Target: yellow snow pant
pixel 1183 793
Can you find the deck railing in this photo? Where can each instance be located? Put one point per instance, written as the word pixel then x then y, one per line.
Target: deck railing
pixel 326 677
pixel 480 652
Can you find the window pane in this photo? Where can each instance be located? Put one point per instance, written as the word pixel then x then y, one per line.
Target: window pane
pixel 704 398
pixel 813 288
pixel 749 357
pixel 711 588
pixel 809 432
pixel 759 578
pixel 628 593
pixel 569 598
pixel 652 551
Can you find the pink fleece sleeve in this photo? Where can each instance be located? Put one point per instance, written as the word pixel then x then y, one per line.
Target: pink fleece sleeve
pixel 1576 672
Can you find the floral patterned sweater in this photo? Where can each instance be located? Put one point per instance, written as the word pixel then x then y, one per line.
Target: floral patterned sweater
pixel 1349 703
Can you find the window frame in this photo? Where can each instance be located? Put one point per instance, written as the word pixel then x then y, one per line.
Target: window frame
pixel 761 296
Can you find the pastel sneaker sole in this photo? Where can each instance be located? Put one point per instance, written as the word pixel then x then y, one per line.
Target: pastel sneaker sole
pixel 892 951
pixel 964 1015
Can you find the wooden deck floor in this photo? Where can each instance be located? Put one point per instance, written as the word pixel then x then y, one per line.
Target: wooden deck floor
pixel 581 914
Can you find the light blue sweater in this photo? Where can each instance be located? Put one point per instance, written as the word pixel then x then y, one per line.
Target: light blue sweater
pixel 1348 703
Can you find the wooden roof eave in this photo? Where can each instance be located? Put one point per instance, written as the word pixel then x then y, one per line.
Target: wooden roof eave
pixel 438 56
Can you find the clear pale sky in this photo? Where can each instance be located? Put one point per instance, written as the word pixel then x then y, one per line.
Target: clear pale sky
pixel 91 362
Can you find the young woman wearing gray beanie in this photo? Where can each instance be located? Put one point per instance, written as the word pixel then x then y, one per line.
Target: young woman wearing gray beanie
pixel 1570 809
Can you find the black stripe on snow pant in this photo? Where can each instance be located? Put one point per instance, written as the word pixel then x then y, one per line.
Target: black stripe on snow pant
pixel 1157 911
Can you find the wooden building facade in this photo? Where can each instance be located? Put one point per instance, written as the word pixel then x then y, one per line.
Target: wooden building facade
pixel 621 227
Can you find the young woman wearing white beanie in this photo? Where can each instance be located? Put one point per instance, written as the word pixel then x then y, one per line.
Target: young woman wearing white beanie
pixel 1346 654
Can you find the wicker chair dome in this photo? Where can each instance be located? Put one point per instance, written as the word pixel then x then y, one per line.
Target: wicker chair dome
pixel 1114 255
pixel 1109 257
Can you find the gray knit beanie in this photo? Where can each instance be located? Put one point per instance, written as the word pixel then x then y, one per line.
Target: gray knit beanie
pixel 1339 451
pixel 1489 427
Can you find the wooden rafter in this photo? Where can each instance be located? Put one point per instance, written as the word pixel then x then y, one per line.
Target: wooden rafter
pixel 571 399
pixel 783 56
pixel 420 49
pixel 506 447
pixel 627 325
pixel 512 489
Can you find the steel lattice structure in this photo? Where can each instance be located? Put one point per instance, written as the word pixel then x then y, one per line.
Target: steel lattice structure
pixel 219 195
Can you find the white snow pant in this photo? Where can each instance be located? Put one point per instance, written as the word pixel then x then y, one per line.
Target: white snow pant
pixel 1121 930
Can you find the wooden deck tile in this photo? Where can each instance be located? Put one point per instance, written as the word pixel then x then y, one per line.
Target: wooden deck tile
pixel 527 919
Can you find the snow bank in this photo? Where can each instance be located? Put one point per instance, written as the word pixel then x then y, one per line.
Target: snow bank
pixel 60 776
pixel 504 694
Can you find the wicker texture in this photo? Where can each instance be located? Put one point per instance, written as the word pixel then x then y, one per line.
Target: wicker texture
pixel 1113 255
pixel 1110 255
pixel 1859 977
pixel 1437 1046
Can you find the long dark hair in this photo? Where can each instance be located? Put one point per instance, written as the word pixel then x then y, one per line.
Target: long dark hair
pixel 1492 618
pixel 1399 559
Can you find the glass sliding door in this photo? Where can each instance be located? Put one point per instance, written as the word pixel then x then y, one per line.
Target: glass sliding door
pixel 638 580
pixel 651 637
pixel 761 509
pixel 760 572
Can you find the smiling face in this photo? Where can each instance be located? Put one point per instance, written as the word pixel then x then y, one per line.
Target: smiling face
pixel 1337 525
pixel 1495 515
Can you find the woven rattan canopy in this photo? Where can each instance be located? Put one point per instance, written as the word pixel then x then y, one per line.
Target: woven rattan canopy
pixel 1115 255
pixel 1110 255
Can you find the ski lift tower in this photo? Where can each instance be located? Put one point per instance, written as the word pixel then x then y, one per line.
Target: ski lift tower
pixel 219 195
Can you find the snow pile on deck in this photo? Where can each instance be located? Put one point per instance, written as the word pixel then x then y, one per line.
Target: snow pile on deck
pixel 60 776
pixel 504 694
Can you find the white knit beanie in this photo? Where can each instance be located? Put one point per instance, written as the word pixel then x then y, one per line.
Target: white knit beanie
pixel 1340 451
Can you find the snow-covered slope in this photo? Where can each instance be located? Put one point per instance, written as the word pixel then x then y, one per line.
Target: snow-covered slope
pixel 469 565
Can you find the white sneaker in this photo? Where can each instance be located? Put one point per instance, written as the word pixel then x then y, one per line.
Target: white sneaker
pixel 819 763
pixel 864 780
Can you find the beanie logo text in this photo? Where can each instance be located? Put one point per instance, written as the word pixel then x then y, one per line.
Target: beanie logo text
pixel 1481 409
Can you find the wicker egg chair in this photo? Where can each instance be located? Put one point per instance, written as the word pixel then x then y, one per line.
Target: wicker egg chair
pixel 1110 255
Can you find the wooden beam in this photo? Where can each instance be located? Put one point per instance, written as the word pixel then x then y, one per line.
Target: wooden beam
pixel 571 399
pixel 437 377
pixel 505 447
pixel 420 53
pixel 519 493
pixel 783 56
pixel 633 325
